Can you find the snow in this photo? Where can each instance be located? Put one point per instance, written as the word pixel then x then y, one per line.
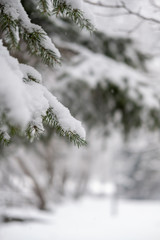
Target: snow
pixel 83 68
pixel 64 117
pixel 48 44
pixel 16 11
pixel 42 99
pixel 29 101
pixel 12 102
pixel 83 7
pixel 50 5
pixel 88 219
pixel 30 71
pixel 10 8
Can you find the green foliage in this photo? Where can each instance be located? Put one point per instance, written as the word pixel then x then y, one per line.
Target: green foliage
pixel 35 46
pixel 33 38
pixel 113 100
pixel 119 49
pixel 61 8
pixel 30 78
pixel 8 28
pixel 34 131
pixel 44 7
pixel 14 31
pixel 76 15
pixel 51 120
pixel 109 105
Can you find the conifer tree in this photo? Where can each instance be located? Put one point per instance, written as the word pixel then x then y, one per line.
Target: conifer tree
pixel 26 105
pixel 111 74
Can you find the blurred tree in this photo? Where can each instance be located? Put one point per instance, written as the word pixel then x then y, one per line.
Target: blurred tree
pixel 112 90
pixel 118 88
pixel 105 82
pixel 139 171
pixel 111 75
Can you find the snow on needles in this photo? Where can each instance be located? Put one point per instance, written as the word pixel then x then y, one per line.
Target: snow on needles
pixel 24 102
pixel 116 72
pixel 79 4
pixel 16 11
pixel 29 71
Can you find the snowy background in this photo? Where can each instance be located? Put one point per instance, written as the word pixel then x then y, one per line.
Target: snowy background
pixel 89 219
pixel 109 80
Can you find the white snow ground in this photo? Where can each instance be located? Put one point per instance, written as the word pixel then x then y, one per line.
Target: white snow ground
pixel 89 219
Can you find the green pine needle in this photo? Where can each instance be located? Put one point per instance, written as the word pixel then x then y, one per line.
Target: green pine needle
pixel 9 29
pixel 76 15
pixel 44 7
pixel 33 40
pixel 51 120
pixel 33 132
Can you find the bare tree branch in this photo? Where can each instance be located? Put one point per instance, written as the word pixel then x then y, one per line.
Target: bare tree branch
pixel 133 29
pixel 112 15
pixel 126 8
pixel 37 189
pixel 103 5
pixel 138 14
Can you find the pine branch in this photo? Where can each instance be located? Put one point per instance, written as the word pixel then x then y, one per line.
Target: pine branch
pixel 76 15
pixel 35 38
pixel 51 120
pixel 30 74
pixel 4 138
pixel 7 131
pixel 44 7
pixel 33 132
pixel 9 29
pixel 30 78
pixel 61 8
pixel 35 47
pixel 39 44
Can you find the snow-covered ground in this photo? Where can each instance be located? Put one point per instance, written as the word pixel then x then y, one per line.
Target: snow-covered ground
pixel 89 219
